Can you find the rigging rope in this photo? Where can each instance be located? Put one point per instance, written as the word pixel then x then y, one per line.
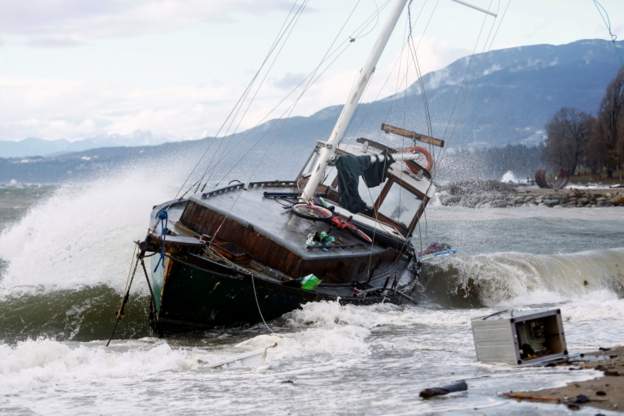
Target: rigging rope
pixel 307 83
pixel 312 78
pixel 462 87
pixel 294 11
pixel 212 167
pixel 604 15
pixel 163 219
pixel 413 53
pixel 134 263
pixel 253 285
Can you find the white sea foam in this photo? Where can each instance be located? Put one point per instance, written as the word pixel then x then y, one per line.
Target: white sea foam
pixel 365 359
pixel 82 235
pixel 44 361
pixel 528 278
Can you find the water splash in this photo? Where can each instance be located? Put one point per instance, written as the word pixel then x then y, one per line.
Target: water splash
pixel 509 177
pixel 498 278
pixel 82 234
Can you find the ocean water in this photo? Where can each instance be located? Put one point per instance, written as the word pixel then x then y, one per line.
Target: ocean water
pixel 65 255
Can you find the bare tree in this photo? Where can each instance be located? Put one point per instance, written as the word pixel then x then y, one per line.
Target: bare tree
pixel 606 147
pixel 597 150
pixel 568 133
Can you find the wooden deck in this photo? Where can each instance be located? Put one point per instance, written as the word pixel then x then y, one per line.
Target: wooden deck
pixel 275 236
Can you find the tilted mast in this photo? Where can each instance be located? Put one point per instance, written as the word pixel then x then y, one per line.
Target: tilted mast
pixel 327 152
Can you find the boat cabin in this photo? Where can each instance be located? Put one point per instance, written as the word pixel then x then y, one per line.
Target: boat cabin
pixel 396 205
pixel 252 225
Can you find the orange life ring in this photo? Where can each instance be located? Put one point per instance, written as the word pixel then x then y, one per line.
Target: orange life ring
pixel 418 149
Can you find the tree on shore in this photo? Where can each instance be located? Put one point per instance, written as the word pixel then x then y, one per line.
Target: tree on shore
pixel 576 139
pixel 605 149
pixel 567 135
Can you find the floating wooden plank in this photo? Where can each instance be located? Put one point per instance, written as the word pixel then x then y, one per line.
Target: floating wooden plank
pixel 411 135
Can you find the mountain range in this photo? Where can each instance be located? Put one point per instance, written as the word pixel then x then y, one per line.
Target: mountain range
pixel 491 99
pixel 33 146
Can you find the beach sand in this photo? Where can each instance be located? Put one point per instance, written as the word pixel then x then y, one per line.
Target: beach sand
pixel 605 392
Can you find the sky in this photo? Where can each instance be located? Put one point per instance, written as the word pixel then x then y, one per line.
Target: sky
pixel 76 69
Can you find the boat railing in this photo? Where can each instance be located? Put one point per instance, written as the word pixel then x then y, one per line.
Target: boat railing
pixel 223 190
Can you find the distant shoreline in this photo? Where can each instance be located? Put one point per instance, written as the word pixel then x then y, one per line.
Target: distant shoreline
pixel 493 194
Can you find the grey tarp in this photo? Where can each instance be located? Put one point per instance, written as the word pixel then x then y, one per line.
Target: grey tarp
pixel 350 168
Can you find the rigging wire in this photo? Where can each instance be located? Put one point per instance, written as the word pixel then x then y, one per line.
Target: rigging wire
pixel 419 75
pixel 259 87
pixel 337 53
pixel 423 92
pixel 312 78
pixel 239 102
pixel 500 23
pixel 466 71
pixel 266 74
pixel 217 155
pixel 253 285
pixel 364 29
pixel 487 44
pixel 327 52
pixel 407 243
pixel 451 126
pixel 604 15
pixel 294 11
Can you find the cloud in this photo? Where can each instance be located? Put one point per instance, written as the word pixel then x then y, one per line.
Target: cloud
pixel 53 42
pixel 67 22
pixel 289 81
pixel 73 109
pixel 55 109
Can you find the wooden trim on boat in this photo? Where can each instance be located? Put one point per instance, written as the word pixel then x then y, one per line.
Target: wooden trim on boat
pixel 388 128
pixel 331 268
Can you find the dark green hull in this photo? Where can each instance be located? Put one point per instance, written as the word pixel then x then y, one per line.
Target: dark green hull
pixel 202 294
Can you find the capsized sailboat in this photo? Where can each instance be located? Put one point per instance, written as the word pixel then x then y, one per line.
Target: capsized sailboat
pixel 250 252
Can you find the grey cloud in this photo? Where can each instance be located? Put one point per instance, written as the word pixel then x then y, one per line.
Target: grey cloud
pixel 63 23
pixel 289 81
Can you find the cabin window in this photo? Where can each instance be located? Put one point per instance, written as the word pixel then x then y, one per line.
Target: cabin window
pixel 400 205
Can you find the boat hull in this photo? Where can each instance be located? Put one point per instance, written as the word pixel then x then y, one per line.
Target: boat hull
pixel 199 294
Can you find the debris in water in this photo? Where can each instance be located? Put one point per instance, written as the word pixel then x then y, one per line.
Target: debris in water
pixel 605 392
pixel 443 390
pixel 520 338
pixel 551 180
pixel 241 358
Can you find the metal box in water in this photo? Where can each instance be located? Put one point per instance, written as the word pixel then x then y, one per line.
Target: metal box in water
pixel 520 337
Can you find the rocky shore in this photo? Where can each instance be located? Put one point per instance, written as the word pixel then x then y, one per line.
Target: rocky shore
pixel 494 194
pixel 605 392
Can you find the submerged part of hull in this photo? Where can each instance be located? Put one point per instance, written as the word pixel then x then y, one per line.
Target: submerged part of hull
pixel 203 294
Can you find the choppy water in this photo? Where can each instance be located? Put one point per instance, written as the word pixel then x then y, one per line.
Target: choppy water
pixel 66 258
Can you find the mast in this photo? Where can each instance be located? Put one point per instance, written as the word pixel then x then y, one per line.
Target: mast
pixel 337 134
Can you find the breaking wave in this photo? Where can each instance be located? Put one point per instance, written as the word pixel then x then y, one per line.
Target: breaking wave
pixel 490 280
pixel 82 234
pixel 64 264
pixel 79 315
pixel 521 278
